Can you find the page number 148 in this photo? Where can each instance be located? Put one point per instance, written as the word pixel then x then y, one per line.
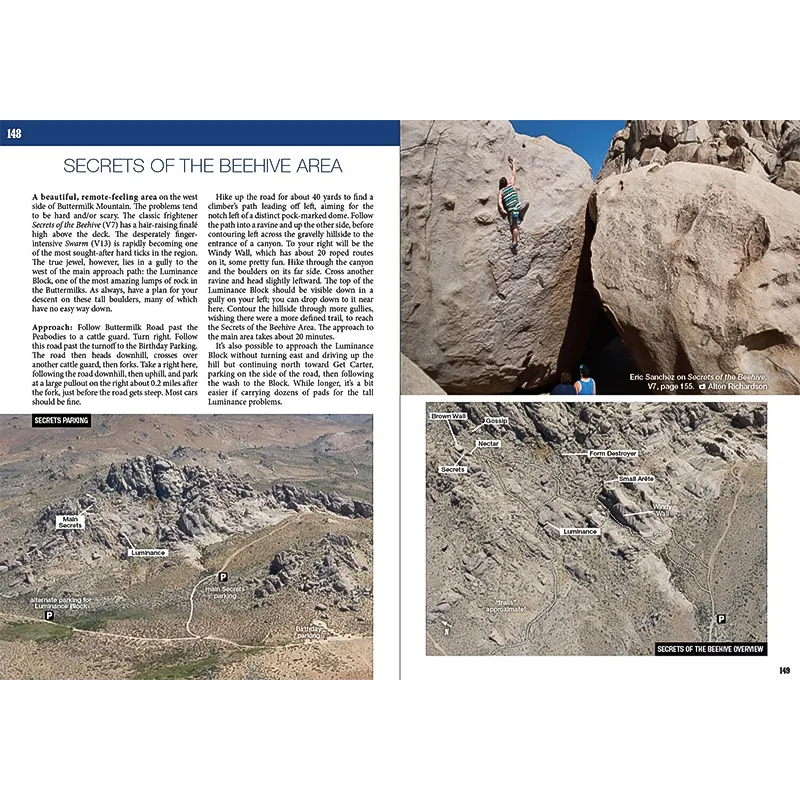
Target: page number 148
pixel 13 133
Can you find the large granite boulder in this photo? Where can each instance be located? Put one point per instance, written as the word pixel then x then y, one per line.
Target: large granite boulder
pixel 476 317
pixel 414 381
pixel 700 269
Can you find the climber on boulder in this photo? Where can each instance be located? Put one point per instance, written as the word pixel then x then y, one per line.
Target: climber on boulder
pixel 509 204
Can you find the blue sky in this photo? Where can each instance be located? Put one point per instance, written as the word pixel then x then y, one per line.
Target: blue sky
pixel 589 138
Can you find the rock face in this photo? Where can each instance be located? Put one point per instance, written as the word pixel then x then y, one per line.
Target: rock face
pixel 294 497
pixel 767 149
pixel 330 567
pixel 149 501
pixel 700 269
pixel 475 316
pixel 162 479
pixel 414 381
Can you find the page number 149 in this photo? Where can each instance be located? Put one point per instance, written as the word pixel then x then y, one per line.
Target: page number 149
pixel 13 133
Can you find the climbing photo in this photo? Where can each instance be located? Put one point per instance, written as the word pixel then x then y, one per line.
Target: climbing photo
pixel 607 257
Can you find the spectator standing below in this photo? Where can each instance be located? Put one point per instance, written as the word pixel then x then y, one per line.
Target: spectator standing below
pixel 586 384
pixel 565 387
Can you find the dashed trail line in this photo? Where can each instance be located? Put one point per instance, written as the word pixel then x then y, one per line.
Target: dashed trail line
pixel 714 552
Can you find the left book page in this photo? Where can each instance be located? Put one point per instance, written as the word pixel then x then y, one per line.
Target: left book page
pixel 200 327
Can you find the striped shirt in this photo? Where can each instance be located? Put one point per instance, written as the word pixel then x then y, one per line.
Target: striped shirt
pixel 510 199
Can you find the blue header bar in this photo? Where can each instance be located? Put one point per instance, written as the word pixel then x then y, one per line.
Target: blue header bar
pixel 183 133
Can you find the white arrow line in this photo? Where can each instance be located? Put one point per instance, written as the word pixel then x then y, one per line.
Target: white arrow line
pixel 553 527
pixel 478 426
pixel 465 453
pixel 638 513
pixel 453 434
pixel 574 454
pixel 128 540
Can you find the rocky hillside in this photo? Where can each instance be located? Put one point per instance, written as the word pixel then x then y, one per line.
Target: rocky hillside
pixel 153 502
pixel 332 571
pixel 765 148
pixel 685 256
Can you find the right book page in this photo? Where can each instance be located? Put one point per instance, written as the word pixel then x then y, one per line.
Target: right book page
pixel 615 303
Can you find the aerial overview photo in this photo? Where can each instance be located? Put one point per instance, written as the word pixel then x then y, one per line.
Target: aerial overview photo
pixel 187 547
pixel 596 528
